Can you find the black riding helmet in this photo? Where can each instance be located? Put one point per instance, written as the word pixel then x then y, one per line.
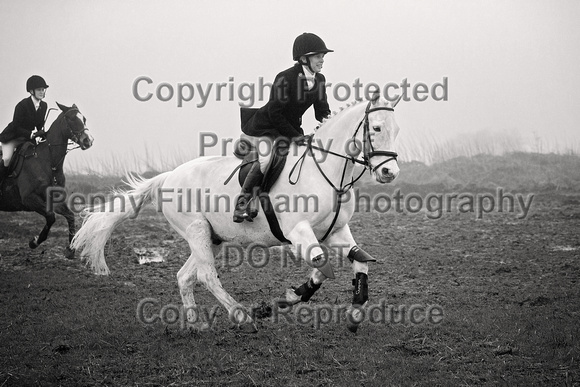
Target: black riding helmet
pixel 35 82
pixel 308 44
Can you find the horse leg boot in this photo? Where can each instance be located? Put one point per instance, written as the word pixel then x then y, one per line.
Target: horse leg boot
pixel 308 248
pixel 361 289
pixel 251 184
pixel 359 301
pixel 298 294
pixel 307 289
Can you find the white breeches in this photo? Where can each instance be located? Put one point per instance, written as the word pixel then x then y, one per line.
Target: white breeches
pixel 265 154
pixel 264 146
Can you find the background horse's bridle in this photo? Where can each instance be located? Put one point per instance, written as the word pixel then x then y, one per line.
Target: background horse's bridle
pixel 74 136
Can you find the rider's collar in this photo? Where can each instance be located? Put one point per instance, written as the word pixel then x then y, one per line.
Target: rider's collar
pixel 35 101
pixel 309 75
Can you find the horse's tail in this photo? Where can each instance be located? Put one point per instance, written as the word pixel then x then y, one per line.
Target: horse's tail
pixel 98 226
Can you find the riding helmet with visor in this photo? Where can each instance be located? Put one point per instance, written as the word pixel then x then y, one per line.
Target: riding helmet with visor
pixel 35 82
pixel 308 44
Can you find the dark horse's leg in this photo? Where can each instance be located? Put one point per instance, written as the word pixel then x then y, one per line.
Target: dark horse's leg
pixel 37 204
pixel 63 210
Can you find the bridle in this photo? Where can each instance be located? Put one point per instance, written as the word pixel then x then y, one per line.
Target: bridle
pixel 72 135
pixel 367 150
pixel 367 155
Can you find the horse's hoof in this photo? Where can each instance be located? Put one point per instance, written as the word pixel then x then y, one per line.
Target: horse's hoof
pixel 69 253
pixel 199 326
pixel 355 316
pixel 32 244
pixel 291 298
pixel 352 327
pixel 248 327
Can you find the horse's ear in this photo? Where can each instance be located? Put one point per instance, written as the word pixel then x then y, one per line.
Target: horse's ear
pixel 74 106
pixel 375 97
pixel 397 101
pixel 62 107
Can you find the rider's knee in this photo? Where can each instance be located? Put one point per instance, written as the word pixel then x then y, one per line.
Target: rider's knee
pixel 7 151
pixel 264 161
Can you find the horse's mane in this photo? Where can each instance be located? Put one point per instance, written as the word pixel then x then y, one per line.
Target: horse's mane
pixel 341 109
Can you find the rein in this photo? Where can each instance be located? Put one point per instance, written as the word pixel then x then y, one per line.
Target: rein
pixel 368 153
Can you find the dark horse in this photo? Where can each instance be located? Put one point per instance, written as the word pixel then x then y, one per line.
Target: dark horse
pixel 41 174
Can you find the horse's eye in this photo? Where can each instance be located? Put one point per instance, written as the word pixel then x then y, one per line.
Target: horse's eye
pixel 377 128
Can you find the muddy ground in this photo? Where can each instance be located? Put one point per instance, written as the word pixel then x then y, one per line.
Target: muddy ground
pixel 508 290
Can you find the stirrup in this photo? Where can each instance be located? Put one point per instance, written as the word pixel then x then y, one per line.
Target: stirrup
pixel 239 218
pixel 241 212
pixel 245 215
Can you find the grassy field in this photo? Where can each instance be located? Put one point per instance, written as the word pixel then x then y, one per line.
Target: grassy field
pixel 507 286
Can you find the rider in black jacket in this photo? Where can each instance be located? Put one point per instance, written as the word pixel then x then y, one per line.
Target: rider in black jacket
pixel 29 114
pixel 294 90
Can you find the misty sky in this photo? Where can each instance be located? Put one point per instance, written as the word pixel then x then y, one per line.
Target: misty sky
pixel 510 66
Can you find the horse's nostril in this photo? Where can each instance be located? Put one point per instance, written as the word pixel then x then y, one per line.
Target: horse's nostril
pixel 385 171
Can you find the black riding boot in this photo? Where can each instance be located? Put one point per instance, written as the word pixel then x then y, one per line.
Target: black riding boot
pixel 253 181
pixel 3 171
